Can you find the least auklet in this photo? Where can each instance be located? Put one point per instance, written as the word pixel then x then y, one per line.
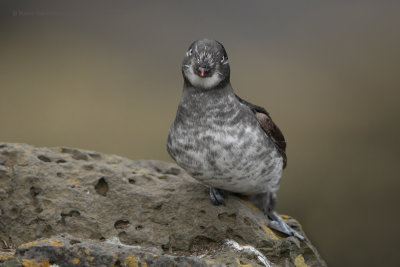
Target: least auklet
pixel 224 141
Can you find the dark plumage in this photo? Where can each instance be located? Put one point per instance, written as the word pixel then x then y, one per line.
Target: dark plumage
pixel 224 141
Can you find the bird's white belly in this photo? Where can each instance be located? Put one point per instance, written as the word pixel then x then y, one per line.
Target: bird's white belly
pixel 237 160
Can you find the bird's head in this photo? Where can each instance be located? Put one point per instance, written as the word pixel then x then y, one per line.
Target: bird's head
pixel 205 64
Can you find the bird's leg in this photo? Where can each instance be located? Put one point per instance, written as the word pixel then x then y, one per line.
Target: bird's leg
pixel 266 202
pixel 217 196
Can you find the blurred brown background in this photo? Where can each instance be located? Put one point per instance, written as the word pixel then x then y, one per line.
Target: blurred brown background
pixel 105 76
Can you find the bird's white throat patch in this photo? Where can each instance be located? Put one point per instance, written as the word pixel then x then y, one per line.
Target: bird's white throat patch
pixel 206 82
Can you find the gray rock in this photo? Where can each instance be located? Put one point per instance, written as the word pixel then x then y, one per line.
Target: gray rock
pixel 65 250
pixel 155 205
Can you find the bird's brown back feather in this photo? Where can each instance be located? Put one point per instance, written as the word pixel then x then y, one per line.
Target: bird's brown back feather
pixel 269 127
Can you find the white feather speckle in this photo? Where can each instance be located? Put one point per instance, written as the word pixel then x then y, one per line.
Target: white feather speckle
pixel 115 241
pixel 250 250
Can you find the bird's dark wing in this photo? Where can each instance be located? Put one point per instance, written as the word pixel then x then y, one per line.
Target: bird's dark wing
pixel 269 127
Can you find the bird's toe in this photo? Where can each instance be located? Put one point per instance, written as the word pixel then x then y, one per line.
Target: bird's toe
pixel 217 196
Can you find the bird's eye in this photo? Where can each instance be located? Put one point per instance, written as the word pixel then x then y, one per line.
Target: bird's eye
pixel 189 53
pixel 223 59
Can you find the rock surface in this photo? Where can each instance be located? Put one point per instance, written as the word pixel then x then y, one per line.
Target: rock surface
pixel 128 212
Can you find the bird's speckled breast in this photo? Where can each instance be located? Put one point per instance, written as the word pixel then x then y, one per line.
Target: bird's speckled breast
pixel 220 143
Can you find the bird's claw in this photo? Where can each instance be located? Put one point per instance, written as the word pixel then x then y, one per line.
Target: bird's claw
pixel 217 196
pixel 279 225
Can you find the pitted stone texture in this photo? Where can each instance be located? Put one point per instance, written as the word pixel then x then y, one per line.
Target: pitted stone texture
pixel 48 191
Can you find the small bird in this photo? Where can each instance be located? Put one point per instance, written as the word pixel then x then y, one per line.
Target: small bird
pixel 224 141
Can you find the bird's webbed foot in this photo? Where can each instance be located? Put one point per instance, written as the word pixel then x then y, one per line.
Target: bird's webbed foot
pixel 278 224
pixel 217 196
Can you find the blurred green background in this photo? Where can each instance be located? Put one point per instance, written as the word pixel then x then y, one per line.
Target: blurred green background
pixel 105 76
